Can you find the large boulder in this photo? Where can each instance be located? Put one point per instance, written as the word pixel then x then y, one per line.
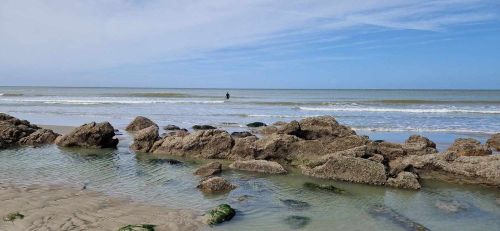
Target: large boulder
pixel 215 185
pixel 469 147
pixel 208 144
pixel 450 167
pixel 145 138
pixel 323 126
pixel 91 135
pixel 262 166
pixel 346 168
pixel 209 169
pixel 406 180
pixel 139 123
pixel 244 148
pixel 275 147
pixel 494 142
pixel 292 128
pixel 15 132
pixel 419 145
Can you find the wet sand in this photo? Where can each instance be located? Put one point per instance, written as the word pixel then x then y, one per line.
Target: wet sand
pixel 63 208
pixel 58 128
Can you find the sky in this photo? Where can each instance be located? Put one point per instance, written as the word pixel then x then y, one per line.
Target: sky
pixel 319 44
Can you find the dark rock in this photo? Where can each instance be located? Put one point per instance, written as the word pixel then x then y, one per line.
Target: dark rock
pixel 323 187
pixel 297 222
pixel 139 123
pixel 396 218
pixel 39 137
pixel 13 216
pixel 469 147
pixel 494 142
pixel 145 138
pixel 166 161
pixel 295 204
pixel 171 127
pixel 91 135
pixel 215 185
pixel 256 124
pixel 262 166
pixel 203 127
pixel 209 169
pixel 241 134
pixel 219 214
pixel 419 145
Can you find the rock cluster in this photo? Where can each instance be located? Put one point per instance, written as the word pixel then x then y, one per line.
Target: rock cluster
pixel 91 135
pixel 15 132
pixel 469 147
pixel 494 142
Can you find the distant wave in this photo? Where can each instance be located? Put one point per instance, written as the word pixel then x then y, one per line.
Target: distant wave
pixel 422 101
pixel 11 94
pixel 404 110
pixel 413 129
pixel 114 101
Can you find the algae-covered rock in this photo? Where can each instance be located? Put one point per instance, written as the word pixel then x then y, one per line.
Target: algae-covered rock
pixel 256 124
pixel 219 214
pixel 297 222
pixel 324 187
pixel 398 219
pixel 13 216
pixel 295 204
pixel 141 227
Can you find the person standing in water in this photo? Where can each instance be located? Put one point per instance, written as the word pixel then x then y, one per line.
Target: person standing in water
pixel 227 95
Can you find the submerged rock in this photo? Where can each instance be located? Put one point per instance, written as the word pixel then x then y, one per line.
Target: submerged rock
pixel 324 187
pixel 166 161
pixel 406 180
pixel 494 142
pixel 145 138
pixel 203 127
pixel 396 218
pixel 139 123
pixel 91 135
pixel 469 147
pixel 209 169
pixel 141 227
pixel 256 124
pixel 295 204
pixel 297 222
pixel 452 206
pixel 219 214
pixel 215 185
pixel 419 145
pixel 262 166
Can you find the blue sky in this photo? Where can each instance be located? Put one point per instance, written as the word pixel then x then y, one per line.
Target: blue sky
pixel 251 44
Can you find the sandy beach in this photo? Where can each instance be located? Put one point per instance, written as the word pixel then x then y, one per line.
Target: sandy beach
pixel 63 208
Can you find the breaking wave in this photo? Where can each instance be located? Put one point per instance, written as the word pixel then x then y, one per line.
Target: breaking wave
pixel 403 110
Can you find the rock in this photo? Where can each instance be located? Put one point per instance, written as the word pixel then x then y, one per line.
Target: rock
pixel 145 138
pixel 139 123
pixel 267 130
pixel 244 148
pixel 419 145
pixel 452 206
pixel 15 132
pixel 13 216
pixel 396 218
pixel 209 169
pixel 469 147
pixel 322 126
pixel 324 187
pixel 351 169
pixel 388 150
pixel 297 222
pixel 241 134
pixel 295 204
pixel 256 124
pixel 203 127
pixel 141 227
pixel 180 132
pixel 263 166
pixel 219 214
pixel 39 137
pixel 406 180
pixel 377 158
pixel 209 144
pixel 91 135
pixel 292 128
pixel 494 142
pixel 279 123
pixel 166 161
pixel 215 185
pixel 274 146
pixel 171 127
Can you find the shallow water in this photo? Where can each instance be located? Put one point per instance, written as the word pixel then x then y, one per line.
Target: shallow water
pixel 259 198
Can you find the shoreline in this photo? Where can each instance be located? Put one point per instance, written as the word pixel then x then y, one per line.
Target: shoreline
pixel 61 207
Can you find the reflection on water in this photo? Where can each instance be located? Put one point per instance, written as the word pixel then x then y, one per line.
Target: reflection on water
pixel 262 202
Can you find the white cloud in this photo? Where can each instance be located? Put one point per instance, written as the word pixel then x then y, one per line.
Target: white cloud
pixel 71 35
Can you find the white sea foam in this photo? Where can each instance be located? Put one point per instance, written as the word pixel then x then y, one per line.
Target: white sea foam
pixel 414 129
pixel 404 110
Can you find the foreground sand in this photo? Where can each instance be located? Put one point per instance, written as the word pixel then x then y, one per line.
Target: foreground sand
pixel 60 208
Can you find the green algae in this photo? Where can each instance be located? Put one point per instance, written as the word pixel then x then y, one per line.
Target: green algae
pixel 13 216
pixel 141 227
pixel 219 214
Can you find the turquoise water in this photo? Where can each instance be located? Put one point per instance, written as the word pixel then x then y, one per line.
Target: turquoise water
pixel 382 114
